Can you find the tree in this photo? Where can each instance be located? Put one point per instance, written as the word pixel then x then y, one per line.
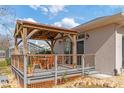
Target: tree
pixel 7 21
pixel 4 42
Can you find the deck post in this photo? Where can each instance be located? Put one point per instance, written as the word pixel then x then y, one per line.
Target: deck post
pixel 55 69
pixel 25 71
pixel 74 50
pixel 25 51
pixel 82 64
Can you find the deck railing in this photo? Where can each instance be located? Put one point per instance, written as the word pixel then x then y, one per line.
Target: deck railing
pixel 17 61
pixel 56 64
pixel 47 61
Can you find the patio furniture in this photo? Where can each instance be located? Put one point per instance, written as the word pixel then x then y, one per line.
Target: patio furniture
pixel 36 62
pixel 59 59
pixel 43 62
pixel 51 62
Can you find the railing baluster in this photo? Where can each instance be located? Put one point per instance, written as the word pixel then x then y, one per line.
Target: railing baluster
pixel 25 71
pixel 55 69
pixel 82 64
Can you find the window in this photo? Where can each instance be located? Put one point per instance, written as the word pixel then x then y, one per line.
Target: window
pixel 80 47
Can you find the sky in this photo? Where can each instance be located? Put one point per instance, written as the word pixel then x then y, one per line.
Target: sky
pixel 62 16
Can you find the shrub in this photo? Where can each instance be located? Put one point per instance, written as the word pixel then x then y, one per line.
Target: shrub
pixel 8 61
pixel 64 78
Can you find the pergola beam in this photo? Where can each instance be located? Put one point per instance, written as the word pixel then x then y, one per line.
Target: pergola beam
pixel 48 29
pixel 32 33
pixel 18 28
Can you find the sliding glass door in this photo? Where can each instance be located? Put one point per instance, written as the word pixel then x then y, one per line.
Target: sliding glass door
pixel 80 50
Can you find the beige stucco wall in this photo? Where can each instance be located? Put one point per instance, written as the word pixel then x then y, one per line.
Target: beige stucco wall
pixel 106 43
pixel 101 42
pixel 59 47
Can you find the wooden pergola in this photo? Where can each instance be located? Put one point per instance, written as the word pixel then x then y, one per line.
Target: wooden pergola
pixel 29 30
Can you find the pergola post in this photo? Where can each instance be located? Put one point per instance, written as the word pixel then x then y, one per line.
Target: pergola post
pixel 25 51
pixel 52 47
pixel 74 50
pixel 16 46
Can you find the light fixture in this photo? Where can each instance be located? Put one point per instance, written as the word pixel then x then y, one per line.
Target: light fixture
pixel 87 35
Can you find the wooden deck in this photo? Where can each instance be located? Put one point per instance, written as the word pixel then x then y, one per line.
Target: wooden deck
pixel 61 66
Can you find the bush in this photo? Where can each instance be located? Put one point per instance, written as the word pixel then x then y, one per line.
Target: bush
pixel 3 64
pixel 64 78
pixel 8 61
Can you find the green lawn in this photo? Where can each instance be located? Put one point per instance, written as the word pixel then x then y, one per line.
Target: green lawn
pixel 4 68
pixel 3 64
pixel 6 71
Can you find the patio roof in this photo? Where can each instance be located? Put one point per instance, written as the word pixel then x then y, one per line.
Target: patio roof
pixel 41 31
pixel 30 30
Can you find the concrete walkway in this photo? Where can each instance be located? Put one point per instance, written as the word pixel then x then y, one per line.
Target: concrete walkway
pixel 100 76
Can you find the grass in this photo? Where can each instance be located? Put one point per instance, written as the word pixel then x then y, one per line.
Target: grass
pixel 4 68
pixel 3 64
pixel 5 71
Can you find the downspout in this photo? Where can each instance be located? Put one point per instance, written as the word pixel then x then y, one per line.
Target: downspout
pixel 116 27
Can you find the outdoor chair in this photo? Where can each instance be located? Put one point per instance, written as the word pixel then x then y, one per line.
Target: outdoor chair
pixel 51 62
pixel 59 59
pixel 44 62
pixel 36 63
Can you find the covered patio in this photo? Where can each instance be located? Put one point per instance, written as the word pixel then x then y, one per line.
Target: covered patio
pixel 32 68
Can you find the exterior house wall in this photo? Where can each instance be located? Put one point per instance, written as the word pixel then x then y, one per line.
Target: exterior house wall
pixel 101 42
pixel 106 43
pixel 59 47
